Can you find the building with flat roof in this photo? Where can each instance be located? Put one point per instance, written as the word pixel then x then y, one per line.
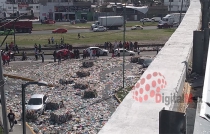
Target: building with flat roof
pixel 66 10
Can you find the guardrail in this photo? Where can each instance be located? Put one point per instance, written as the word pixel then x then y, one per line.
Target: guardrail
pixel 84 47
pixel 139 111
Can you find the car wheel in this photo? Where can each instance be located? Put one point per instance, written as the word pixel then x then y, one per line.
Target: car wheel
pixel 105 54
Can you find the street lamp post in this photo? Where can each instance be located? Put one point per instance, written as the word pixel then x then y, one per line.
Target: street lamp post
pixel 39 83
pixel 170 6
pixel 124 15
pixel 14 22
pixel 180 17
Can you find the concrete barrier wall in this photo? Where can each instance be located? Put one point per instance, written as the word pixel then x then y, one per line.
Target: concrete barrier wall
pixel 139 111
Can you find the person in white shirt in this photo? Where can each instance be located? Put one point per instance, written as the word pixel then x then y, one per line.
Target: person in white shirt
pixel 115 45
pixel 91 54
pixel 138 51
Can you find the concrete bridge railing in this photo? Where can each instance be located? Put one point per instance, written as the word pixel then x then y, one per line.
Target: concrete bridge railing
pixel 139 111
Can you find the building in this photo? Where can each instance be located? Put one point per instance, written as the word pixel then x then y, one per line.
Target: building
pixel 157 11
pixel 175 5
pixel 22 7
pixel 133 13
pixel 66 10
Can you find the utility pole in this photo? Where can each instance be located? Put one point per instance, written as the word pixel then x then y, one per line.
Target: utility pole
pixel 68 11
pixel 124 28
pixel 14 22
pixel 106 19
pixel 3 100
pixel 170 7
pixel 180 17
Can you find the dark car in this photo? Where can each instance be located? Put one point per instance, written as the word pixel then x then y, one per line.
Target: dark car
pixel 145 62
pixel 65 54
pixel 165 25
pixel 83 21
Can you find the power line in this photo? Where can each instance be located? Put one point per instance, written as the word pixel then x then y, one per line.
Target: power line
pixel 13 20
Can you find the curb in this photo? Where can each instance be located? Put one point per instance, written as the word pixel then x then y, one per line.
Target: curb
pixel 32 131
pixel 22 78
pixel 115 95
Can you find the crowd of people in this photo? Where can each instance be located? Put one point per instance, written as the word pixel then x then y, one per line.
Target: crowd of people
pixel 127 45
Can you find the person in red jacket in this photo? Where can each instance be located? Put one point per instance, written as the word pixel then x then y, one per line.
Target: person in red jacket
pixel 4 58
pixel 7 59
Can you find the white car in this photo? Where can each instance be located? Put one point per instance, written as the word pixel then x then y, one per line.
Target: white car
pixel 37 103
pixel 145 20
pixel 136 27
pixel 103 52
pixel 99 29
pixel 127 52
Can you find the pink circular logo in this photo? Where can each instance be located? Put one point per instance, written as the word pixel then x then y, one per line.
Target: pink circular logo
pixel 147 87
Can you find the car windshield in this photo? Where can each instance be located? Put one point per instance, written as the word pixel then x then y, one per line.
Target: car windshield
pixel 35 101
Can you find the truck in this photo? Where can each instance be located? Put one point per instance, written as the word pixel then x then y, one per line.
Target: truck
pixel 170 20
pixel 110 22
pixel 20 26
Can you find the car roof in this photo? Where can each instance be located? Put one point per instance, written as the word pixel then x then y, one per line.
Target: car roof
pixel 93 47
pixel 37 96
pixel 120 49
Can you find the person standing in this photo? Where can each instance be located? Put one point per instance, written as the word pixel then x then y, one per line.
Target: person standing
pixel 52 40
pixel 91 53
pixel 36 55
pixel 138 51
pixel 16 48
pixel 78 36
pixel 7 48
pixel 40 48
pixel 157 49
pixel 42 56
pixel 59 58
pixel 11 118
pixel 54 55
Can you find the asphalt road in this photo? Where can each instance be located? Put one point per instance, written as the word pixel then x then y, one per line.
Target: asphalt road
pixel 80 31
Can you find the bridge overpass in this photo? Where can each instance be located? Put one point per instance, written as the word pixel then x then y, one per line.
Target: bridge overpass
pixel 153 106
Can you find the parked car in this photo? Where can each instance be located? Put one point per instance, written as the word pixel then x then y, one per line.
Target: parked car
pixel 60 30
pixel 156 19
pixel 11 32
pixel 145 20
pixel 65 54
pixel 83 21
pixel 103 52
pixel 165 25
pixel 137 27
pixel 145 62
pixel 127 52
pixel 99 29
pixel 49 21
pixel 78 21
pixel 37 103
